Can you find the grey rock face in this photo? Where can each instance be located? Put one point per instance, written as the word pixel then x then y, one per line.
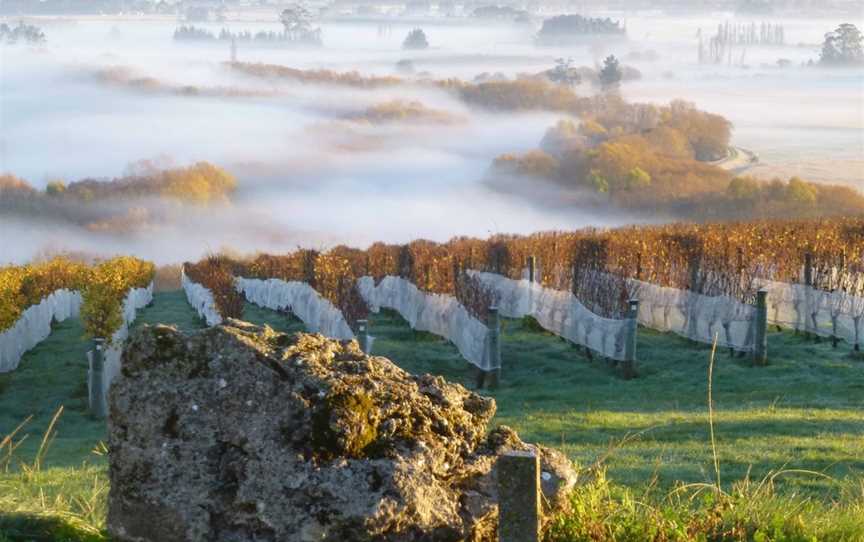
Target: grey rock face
pixel 238 433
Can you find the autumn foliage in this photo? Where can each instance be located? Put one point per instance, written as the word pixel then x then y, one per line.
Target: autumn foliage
pixel 103 285
pixel 655 165
pixel 216 273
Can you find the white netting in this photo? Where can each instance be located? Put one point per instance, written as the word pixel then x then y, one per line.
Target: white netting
pixel 696 316
pixel 201 300
pixel 440 314
pixel 34 326
pixel 559 312
pixel 136 298
pixel 319 314
pixel 822 313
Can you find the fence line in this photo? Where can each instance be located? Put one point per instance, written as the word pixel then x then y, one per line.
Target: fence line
pixel 440 314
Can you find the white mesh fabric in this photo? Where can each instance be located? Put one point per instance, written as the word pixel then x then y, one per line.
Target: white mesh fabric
pixel 822 313
pixel 559 312
pixel 440 314
pixel 317 313
pixel 136 298
pixel 201 300
pixel 696 316
pixel 34 326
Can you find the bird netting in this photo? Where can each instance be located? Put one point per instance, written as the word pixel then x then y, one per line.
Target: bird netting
pixel 820 312
pixel 317 313
pixel 34 326
pixel 136 298
pixel 201 300
pixel 696 316
pixel 559 312
pixel 440 314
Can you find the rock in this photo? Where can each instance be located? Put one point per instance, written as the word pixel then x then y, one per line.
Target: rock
pixel 238 433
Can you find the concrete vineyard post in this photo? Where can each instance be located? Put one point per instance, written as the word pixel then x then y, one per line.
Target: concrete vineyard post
pixel 532 268
pixel 96 374
pixel 808 283
pixel 857 322
pixel 490 378
pixel 808 269
pixel 519 507
pixel 630 344
pixel 760 351
pixel 363 335
pixel 494 323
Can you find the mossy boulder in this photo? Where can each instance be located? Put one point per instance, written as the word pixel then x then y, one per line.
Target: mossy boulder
pixel 240 433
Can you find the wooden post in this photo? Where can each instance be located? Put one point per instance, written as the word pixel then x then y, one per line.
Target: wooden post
pixel 760 352
pixel 532 268
pixel 519 507
pixel 630 344
pixel 96 374
pixel 363 335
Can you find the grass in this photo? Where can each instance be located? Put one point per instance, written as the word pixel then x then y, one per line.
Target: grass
pixel 789 436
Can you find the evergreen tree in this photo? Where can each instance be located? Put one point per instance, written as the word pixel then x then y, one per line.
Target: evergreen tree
pixel 611 74
pixel 416 39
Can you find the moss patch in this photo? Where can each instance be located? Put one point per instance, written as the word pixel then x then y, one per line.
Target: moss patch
pixel 343 424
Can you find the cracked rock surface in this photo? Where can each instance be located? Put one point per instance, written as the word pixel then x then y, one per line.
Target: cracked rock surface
pixel 239 433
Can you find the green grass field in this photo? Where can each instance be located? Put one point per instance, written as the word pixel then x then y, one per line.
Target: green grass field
pixel 803 412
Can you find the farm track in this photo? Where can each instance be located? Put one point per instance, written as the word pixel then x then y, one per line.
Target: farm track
pixel 737 160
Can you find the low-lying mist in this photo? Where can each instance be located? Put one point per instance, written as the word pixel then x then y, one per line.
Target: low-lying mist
pixel 319 163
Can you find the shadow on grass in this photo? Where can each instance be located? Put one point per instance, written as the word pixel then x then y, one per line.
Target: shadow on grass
pixel 20 527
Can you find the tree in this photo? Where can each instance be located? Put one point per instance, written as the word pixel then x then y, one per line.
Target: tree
pixel 843 47
pixel 598 182
pixel 611 74
pixel 638 178
pixel 55 188
pixel 564 73
pixel 743 188
pixel 297 20
pixel 416 39
pixel 800 192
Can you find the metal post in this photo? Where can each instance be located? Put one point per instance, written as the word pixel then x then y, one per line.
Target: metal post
pixel 519 507
pixel 96 375
pixel 363 335
pixel 630 344
pixel 760 352
pixel 808 269
pixel 532 268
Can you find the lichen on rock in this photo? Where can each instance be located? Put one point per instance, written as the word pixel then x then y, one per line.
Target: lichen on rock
pixel 240 433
